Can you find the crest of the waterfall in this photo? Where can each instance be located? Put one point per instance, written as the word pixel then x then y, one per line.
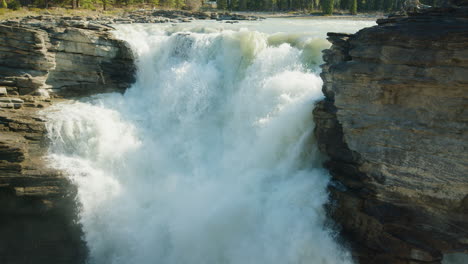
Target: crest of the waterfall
pixel 208 159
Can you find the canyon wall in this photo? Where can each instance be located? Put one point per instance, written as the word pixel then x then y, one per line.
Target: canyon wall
pixel 42 59
pixel 394 126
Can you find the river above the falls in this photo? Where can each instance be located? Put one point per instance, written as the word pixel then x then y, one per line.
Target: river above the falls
pixel 209 158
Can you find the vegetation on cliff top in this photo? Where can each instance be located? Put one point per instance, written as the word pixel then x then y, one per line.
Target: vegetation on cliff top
pixel 326 6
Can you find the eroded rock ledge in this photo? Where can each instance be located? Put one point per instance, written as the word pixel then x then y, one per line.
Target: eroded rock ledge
pixel 46 54
pixel 43 59
pixel 394 125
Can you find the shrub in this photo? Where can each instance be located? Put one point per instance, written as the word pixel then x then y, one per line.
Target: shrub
pixel 15 5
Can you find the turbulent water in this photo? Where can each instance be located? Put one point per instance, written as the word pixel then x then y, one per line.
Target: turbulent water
pixel 209 158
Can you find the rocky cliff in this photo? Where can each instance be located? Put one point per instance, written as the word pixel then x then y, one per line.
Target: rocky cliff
pixel 64 56
pixel 37 206
pixel 42 58
pixel 394 126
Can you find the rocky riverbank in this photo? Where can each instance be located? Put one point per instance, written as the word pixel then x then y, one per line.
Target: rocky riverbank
pixel 137 16
pixel 394 125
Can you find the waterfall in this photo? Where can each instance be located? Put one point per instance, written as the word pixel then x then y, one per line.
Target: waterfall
pixel 210 157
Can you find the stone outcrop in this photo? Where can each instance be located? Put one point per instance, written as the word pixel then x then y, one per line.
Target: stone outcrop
pixel 45 54
pixel 41 59
pixel 394 126
pixel 37 205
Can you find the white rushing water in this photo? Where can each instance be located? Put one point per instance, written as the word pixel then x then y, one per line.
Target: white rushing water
pixel 209 158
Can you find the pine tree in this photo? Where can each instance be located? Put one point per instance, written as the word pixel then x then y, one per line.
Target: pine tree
pixel 327 7
pixel 353 7
pixel 234 5
pixel 221 4
pixel 242 4
pixel 387 5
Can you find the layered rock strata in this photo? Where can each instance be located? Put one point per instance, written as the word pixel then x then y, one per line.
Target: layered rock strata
pixel 43 58
pixel 37 205
pixel 394 126
pixel 44 54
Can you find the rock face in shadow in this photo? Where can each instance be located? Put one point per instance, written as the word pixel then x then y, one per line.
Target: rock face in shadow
pixel 37 205
pixel 64 57
pixel 394 125
pixel 42 58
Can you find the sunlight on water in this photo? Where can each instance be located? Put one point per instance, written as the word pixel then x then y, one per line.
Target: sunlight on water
pixel 209 158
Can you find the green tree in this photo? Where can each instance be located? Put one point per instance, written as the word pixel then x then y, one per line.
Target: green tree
pixel 179 3
pixel 387 5
pixel 344 4
pixel 168 3
pixel 221 4
pixel 242 4
pixel 271 5
pixel 4 4
pixel 15 5
pixel 106 3
pixel 234 5
pixel 353 7
pixel 327 6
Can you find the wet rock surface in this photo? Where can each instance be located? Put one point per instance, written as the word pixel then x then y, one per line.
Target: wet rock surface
pixel 394 125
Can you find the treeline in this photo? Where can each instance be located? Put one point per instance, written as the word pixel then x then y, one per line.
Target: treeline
pixel 103 4
pixel 327 6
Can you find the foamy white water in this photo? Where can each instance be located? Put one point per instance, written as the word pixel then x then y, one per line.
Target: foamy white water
pixel 209 158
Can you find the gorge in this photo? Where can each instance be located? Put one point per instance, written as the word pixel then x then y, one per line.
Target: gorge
pixel 211 154
pixel 196 154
